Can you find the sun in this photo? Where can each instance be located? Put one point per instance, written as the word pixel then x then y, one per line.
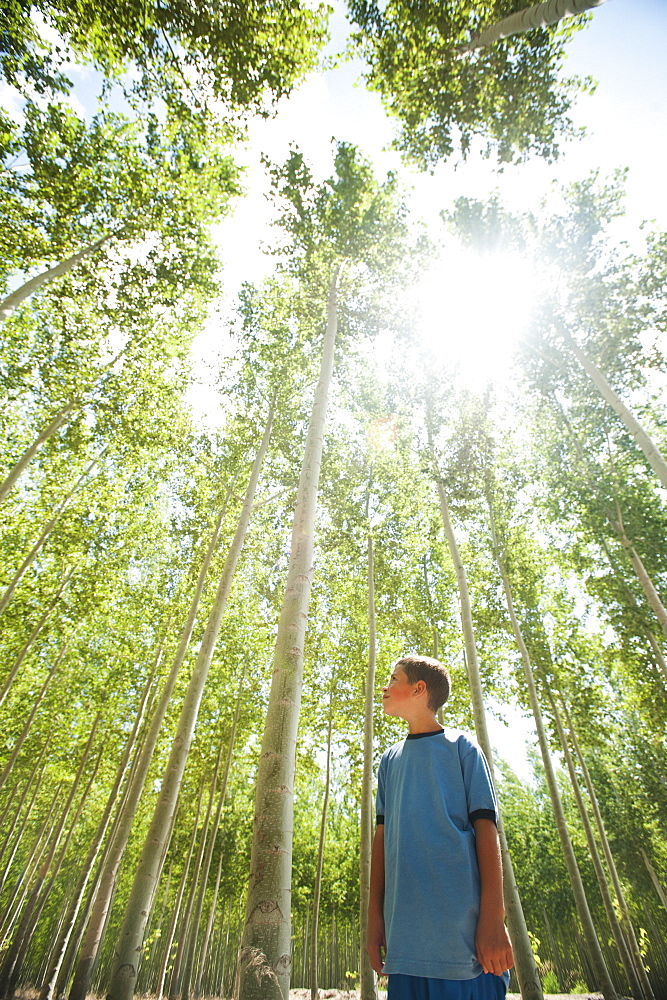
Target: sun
pixel 474 309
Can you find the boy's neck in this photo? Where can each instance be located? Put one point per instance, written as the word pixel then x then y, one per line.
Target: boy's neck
pixel 423 723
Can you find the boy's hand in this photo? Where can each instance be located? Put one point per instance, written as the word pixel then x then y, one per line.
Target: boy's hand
pixel 376 942
pixel 492 943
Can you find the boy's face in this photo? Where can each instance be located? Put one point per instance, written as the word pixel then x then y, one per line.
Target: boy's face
pixel 397 694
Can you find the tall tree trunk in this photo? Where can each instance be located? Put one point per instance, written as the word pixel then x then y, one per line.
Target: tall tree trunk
pixel 367 975
pixel 147 973
pixel 39 544
pixel 538 16
pixel 656 652
pixel 644 579
pixel 18 662
pixel 29 287
pixel 616 522
pixel 264 962
pixel 555 951
pixel 626 921
pixel 654 878
pixel 19 468
pixel 203 881
pixel 317 888
pixel 186 920
pixel 58 952
pixel 12 826
pixel 100 908
pixel 159 963
pixel 10 968
pixel 209 929
pixel 178 901
pixel 131 935
pixel 31 866
pixel 658 656
pixel 429 601
pixel 47 888
pixel 59 418
pixel 602 977
pixel 636 987
pixel 651 451
pixel 25 732
pixel 524 961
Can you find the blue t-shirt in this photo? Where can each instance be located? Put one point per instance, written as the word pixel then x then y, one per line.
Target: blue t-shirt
pixel 431 788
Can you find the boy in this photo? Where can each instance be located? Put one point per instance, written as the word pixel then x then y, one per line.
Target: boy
pixel 436 903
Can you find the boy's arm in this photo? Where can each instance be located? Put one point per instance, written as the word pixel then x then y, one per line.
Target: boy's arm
pixel 376 944
pixel 494 951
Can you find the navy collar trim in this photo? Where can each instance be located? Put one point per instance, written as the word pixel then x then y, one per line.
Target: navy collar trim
pixel 418 736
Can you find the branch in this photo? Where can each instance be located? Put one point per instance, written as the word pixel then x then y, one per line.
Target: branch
pixel 538 16
pixel 11 301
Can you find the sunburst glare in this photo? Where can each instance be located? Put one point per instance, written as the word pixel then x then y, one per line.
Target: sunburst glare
pixel 474 309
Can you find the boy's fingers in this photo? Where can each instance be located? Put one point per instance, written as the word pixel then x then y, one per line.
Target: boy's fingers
pixel 375 956
pixel 496 965
pixel 376 963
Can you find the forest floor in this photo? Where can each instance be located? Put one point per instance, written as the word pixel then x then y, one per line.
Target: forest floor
pixel 303 994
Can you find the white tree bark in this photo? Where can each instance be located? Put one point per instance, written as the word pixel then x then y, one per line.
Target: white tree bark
pixel 317 888
pixel 654 878
pixel 58 419
pixel 368 987
pixel 265 957
pixel 128 953
pixel 636 988
pixel 186 919
pixel 626 920
pixel 203 880
pixel 16 666
pixel 650 449
pixel 658 656
pixel 31 718
pixel 15 298
pixel 16 828
pixel 13 957
pixel 640 571
pixel 604 983
pixel 540 15
pixel 122 828
pixel 178 901
pixel 526 969
pixel 46 891
pixel 15 473
pixel 209 930
pixel 645 580
pixel 30 867
pixel 58 954
pixel 39 544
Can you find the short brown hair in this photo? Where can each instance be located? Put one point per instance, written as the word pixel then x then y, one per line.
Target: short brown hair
pixel 433 673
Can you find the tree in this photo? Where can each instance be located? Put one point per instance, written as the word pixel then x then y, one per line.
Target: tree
pixel 509 94
pixel 103 191
pixel 523 956
pixel 183 55
pixel 146 878
pixel 602 975
pixel 343 232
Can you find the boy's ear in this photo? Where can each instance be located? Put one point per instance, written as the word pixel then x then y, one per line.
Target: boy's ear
pixel 420 687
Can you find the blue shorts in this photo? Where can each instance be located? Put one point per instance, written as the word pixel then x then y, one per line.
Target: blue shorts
pixel 484 987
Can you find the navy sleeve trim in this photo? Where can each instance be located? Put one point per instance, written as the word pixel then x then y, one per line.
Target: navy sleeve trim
pixel 379 820
pixel 484 814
